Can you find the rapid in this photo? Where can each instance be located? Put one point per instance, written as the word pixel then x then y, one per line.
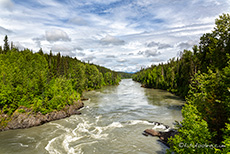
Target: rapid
pixel 112 121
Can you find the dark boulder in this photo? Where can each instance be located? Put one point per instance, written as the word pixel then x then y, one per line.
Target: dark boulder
pixel 163 136
pixel 84 99
pixel 152 132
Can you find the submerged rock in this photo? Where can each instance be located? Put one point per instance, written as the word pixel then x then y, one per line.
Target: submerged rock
pixel 30 119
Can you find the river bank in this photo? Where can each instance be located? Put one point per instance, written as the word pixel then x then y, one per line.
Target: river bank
pixel 112 121
pixel 27 118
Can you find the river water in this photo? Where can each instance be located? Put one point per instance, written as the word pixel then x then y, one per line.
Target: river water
pixel 112 121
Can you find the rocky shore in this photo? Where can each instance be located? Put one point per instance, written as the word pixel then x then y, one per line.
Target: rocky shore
pixel 28 119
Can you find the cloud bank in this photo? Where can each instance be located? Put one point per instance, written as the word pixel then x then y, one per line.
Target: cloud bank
pixel 120 35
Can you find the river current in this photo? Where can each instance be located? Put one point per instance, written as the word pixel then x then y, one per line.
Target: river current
pixel 111 122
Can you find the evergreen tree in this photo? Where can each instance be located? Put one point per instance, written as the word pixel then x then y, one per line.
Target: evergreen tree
pixel 45 82
pixel 6 46
pixel 1 51
pixel 202 77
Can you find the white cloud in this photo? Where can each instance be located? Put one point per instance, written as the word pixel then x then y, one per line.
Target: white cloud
pixel 121 60
pixel 78 21
pixel 156 60
pixel 19 46
pixel 4 31
pixel 61 48
pixel 6 4
pixel 123 35
pixel 80 54
pixel 151 53
pixel 186 45
pixel 158 45
pixel 110 56
pixel 111 40
pixel 89 58
pixel 56 35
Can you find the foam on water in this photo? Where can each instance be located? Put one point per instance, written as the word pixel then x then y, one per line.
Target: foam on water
pixel 94 131
pixel 60 127
pixel 98 118
pixel 37 145
pixel 156 125
pixel 89 132
pixel 135 122
pixel 78 148
pixel 115 125
pixel 49 148
pixel 23 145
pixel 161 126
pixel 111 122
pixel 66 142
pixel 83 131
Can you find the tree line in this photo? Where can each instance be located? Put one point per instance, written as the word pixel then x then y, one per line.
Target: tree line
pixel 45 82
pixel 202 77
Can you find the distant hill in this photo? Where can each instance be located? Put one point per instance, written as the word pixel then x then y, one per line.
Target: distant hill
pixel 125 75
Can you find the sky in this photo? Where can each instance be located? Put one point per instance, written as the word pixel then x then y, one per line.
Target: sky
pixel 122 35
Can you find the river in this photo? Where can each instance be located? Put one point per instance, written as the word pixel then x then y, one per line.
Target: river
pixel 111 122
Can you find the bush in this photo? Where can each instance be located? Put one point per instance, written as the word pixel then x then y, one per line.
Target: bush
pixel 194 134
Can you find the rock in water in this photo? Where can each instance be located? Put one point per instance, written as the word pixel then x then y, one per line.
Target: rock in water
pixel 163 136
pixel 152 132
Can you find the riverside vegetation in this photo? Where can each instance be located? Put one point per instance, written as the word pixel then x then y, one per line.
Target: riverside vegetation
pixel 202 77
pixel 43 83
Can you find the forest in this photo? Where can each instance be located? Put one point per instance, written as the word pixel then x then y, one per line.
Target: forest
pixel 45 82
pixel 202 78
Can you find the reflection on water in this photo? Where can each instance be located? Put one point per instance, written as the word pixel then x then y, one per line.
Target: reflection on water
pixel 111 122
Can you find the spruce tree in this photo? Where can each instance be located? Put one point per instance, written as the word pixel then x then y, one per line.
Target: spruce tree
pixel 1 51
pixel 6 46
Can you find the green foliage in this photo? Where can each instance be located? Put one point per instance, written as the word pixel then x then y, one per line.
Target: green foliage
pixel 202 76
pixel 206 114
pixel 45 82
pixel 209 94
pixel 194 135
pixel 21 110
pixel 175 76
pixel 93 77
pixel 22 76
pixel 226 142
pixel 125 75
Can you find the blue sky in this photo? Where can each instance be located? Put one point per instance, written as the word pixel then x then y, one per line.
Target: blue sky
pixel 123 35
